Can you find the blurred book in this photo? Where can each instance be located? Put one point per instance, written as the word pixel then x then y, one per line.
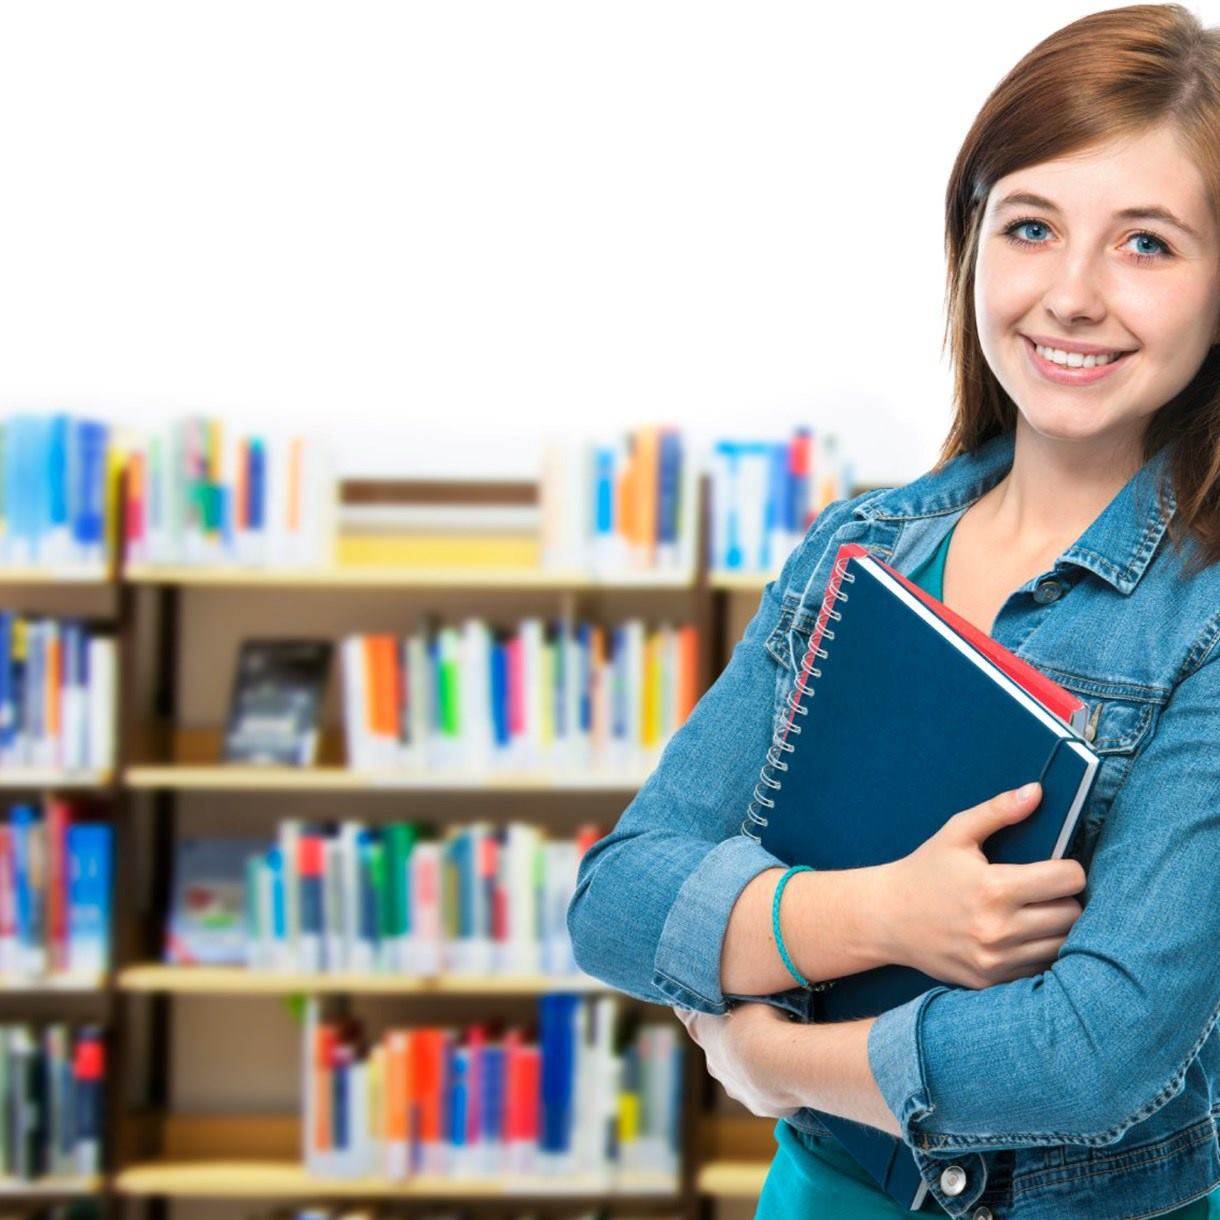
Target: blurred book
pixel 399 899
pixel 54 480
pixel 52 1080
pixel 765 494
pixel 207 921
pixel 585 1095
pixel 620 504
pixel 559 694
pixel 202 493
pixel 276 700
pixel 57 695
pixel 55 893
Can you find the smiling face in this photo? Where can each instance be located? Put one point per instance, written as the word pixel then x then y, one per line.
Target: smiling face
pixel 1069 268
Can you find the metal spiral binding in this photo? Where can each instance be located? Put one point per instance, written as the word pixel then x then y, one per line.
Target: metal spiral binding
pixel 779 738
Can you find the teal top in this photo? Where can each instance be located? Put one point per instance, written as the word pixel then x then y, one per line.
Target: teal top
pixel 813 1175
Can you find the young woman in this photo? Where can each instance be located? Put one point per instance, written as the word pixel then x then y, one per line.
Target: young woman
pixel 1070 1065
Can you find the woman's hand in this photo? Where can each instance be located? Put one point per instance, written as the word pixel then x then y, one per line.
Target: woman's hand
pixel 959 918
pixel 745 1052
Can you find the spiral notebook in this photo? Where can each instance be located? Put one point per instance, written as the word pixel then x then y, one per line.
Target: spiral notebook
pixel 897 721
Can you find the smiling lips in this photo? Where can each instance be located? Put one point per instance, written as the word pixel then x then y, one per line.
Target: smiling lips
pixel 1072 374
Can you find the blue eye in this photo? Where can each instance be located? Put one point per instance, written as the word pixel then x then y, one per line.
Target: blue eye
pixel 1011 234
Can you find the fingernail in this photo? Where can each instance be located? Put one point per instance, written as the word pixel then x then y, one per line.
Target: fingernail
pixel 1027 791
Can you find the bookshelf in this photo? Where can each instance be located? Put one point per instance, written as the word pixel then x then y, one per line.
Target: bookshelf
pixel 169 776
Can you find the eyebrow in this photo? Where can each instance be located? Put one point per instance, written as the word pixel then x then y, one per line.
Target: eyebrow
pixel 1146 212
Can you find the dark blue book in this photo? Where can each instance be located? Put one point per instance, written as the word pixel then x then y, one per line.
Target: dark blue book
pixel 903 723
pixel 557 1035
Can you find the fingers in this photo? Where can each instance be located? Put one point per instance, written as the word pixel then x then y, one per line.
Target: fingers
pixel 1040 881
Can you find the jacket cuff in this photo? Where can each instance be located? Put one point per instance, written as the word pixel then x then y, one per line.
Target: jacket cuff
pixel 686 966
pixel 895 1055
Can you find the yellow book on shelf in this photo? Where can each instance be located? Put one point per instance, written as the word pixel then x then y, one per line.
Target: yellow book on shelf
pixel 628 1117
pixel 438 551
pixel 651 712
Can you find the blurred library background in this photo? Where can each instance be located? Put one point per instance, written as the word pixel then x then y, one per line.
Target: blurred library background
pixel 402 409
pixel 298 771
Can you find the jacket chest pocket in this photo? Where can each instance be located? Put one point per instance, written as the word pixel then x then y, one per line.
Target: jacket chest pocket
pixel 1119 726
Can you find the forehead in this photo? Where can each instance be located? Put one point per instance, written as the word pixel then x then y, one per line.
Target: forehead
pixel 1148 168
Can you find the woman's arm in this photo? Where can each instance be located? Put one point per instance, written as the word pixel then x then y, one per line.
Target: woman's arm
pixel 655 898
pixel 834 923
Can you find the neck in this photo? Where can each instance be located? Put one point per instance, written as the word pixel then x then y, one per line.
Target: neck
pixel 1055 490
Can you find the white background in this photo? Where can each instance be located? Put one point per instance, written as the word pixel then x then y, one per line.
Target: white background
pixel 439 230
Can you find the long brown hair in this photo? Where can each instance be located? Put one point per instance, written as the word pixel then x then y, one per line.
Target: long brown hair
pixel 1108 75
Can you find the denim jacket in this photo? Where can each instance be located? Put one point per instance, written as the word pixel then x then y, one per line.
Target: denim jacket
pixel 1091 1089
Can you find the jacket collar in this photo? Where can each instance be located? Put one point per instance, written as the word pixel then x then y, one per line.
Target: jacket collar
pixel 1117 546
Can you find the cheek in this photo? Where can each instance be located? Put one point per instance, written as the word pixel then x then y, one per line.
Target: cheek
pixel 1004 288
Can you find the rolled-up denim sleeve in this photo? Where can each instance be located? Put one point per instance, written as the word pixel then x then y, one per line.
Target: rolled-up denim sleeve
pixel 653 897
pixel 1102 1039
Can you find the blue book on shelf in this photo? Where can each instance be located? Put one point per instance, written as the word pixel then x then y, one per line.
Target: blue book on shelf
pixel 557 1034
pixel 87 493
pixel 905 723
pixel 90 853
pixel 8 703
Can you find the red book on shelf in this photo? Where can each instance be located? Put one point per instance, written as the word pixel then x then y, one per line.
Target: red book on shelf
pixel 59 814
pixel 427 1082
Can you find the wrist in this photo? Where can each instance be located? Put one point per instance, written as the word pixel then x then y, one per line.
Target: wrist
pixel 853 909
pixel 883 913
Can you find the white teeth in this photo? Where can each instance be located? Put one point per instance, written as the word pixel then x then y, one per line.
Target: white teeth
pixel 1075 360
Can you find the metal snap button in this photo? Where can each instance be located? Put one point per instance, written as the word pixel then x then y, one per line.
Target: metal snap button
pixel 953 1180
pixel 982 1213
pixel 1047 592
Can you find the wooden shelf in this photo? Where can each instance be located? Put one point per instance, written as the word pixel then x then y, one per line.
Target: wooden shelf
pixel 397 578
pixel 732 1179
pixel 60 984
pixel 34 575
pixel 233 778
pixel 235 980
pixel 192 764
pixel 289 1180
pixel 14 778
pixel 49 1188
pixel 740 582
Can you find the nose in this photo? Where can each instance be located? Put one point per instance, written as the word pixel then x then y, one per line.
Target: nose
pixel 1074 293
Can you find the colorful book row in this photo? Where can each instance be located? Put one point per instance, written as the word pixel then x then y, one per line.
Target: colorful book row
pixel 583 1095
pixel 57 695
pixel 52 1081
pixel 620 503
pixel 480 899
pixel 55 893
pixel 200 492
pixel 57 480
pixel 560 695
pixel 765 495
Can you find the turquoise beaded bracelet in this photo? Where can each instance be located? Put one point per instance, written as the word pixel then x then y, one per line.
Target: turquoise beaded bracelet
pixel 779 939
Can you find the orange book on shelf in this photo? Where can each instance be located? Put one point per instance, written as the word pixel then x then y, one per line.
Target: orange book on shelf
pixel 599 682
pixel 397 1098
pixel 647 476
pixel 327 1038
pixel 52 688
pixel 686 693
pixel 382 674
